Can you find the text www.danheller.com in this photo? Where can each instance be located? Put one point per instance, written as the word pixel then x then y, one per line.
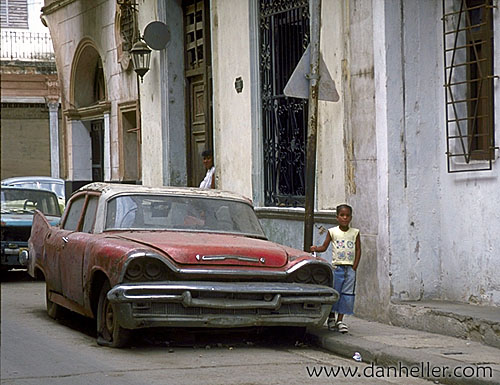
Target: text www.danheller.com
pixel 422 370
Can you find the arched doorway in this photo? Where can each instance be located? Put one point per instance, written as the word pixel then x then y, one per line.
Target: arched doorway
pixel 88 119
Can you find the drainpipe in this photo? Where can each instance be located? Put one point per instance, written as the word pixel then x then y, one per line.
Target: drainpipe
pixel 312 123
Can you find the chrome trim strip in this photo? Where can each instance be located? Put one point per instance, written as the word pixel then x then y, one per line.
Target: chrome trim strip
pixel 226 257
pixel 224 272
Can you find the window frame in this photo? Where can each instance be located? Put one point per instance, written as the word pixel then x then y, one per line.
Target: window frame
pixel 469 90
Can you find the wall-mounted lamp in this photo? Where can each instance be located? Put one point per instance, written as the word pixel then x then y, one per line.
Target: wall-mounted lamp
pixel 238 84
pixel 141 57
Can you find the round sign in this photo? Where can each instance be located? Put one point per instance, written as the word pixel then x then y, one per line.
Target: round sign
pixel 157 35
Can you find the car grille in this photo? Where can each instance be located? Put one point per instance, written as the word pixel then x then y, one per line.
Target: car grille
pixel 177 309
pixel 15 233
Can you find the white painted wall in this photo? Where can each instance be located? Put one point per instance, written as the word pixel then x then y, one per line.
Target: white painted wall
pixel 233 54
pixel 439 233
pixel 330 175
pixel 232 110
pixel 69 26
pixel 150 96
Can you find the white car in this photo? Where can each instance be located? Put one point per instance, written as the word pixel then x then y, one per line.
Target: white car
pixel 55 185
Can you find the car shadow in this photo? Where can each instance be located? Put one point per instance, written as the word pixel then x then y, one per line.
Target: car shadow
pixel 17 275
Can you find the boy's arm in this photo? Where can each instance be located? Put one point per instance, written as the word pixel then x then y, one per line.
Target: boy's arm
pixel 357 255
pixel 325 244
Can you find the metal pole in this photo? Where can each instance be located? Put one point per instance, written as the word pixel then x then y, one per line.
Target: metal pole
pixel 312 123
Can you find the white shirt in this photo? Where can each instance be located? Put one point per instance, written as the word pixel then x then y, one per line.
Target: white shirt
pixel 206 183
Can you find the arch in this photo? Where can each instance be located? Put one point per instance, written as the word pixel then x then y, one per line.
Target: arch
pixel 88 86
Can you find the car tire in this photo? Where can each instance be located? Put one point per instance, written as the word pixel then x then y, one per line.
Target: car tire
pixel 109 332
pixel 53 309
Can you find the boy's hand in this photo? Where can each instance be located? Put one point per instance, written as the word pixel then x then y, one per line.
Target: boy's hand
pixel 313 248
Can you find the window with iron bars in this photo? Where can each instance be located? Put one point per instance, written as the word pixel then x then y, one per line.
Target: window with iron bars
pixel 128 23
pixel 284 36
pixel 468 66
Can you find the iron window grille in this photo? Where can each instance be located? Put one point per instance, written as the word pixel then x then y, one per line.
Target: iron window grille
pixel 284 36
pixel 128 23
pixel 468 71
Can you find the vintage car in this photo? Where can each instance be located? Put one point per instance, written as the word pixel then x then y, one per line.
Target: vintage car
pixel 18 206
pixel 55 185
pixel 138 257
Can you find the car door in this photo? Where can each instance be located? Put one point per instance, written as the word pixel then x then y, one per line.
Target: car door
pixel 56 242
pixel 73 251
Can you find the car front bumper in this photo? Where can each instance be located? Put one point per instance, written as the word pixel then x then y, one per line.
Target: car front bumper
pixel 10 253
pixel 221 304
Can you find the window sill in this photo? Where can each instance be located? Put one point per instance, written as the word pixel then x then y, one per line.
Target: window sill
pixel 295 214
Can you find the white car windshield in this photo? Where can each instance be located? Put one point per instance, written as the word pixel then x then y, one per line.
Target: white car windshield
pixel 26 201
pixel 160 212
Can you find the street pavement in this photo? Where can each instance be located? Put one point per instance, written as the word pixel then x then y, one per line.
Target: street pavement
pixel 436 357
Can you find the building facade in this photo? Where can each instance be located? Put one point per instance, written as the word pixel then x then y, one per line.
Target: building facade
pixel 29 93
pixel 411 144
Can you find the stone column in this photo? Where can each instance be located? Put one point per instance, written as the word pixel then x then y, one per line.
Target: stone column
pixel 54 137
pixel 107 148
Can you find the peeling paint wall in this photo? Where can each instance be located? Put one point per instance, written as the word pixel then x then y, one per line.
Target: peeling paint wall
pixel 232 110
pixel 439 231
pixel 71 23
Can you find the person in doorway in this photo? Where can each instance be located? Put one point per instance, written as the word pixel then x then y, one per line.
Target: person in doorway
pixel 346 253
pixel 208 161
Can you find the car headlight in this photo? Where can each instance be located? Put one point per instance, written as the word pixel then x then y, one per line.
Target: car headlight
pixel 146 269
pixel 320 275
pixel 312 273
pixel 24 257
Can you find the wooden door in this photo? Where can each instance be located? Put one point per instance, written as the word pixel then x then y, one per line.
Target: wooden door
pixel 198 75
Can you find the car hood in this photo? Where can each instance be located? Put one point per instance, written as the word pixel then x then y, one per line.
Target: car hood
pixel 24 220
pixel 208 248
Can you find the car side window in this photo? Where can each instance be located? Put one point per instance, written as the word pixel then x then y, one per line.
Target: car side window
pixel 90 211
pixel 74 213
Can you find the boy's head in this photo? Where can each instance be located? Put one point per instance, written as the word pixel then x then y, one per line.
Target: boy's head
pixel 344 215
pixel 208 160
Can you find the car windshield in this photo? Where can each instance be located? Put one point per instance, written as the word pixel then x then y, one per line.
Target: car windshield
pixel 161 212
pixel 21 201
pixel 58 188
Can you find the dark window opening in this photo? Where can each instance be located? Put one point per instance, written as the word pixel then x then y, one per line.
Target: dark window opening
pixel 468 56
pixel 284 36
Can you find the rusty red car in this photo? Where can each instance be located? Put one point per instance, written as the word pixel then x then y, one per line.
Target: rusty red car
pixel 138 257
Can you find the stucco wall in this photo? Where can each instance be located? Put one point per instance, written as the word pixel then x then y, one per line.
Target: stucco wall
pixel 150 97
pixel 25 141
pixel 92 21
pixel 470 217
pixel 232 110
pixel 438 231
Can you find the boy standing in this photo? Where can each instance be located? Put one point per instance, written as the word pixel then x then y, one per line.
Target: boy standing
pixel 346 246
pixel 208 161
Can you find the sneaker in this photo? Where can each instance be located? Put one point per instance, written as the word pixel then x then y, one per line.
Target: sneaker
pixel 331 324
pixel 342 327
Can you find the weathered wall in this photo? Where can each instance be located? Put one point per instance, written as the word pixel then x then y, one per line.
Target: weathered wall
pixel 232 110
pixel 25 141
pixel 361 153
pixel 92 21
pixel 426 238
pixel 150 96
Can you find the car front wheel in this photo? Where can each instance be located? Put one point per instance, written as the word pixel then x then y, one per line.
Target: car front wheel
pixel 109 332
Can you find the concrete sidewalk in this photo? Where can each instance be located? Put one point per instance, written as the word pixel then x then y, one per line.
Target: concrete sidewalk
pixel 386 345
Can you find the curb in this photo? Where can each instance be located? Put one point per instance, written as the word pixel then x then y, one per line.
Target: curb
pixel 381 354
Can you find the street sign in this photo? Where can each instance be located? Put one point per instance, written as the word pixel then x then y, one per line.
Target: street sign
pixel 298 84
pixel 157 35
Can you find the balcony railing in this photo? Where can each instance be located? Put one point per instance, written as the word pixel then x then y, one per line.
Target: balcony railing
pixel 26 46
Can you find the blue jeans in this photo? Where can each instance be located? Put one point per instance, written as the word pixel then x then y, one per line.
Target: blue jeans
pixel 344 281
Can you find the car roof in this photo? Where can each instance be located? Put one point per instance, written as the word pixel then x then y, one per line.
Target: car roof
pixel 4 187
pixel 20 179
pixel 111 189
